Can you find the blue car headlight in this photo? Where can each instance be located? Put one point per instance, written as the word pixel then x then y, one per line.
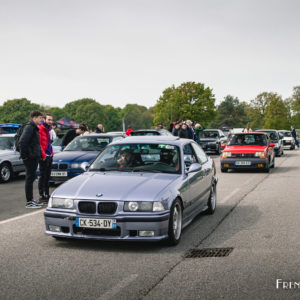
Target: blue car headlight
pixel 143 206
pixel 64 203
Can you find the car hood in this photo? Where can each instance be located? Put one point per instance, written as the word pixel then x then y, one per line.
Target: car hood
pixel 115 186
pixel 245 149
pixel 288 138
pixel 75 156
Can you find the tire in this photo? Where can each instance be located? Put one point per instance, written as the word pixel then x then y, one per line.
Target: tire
pixel 218 151
pixel 224 170
pixel 175 223
pixel 212 200
pixel 6 172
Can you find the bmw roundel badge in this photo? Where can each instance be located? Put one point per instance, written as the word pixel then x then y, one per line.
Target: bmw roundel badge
pixel 99 195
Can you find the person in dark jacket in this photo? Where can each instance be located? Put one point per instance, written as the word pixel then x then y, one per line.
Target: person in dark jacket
pixel 99 129
pixel 176 129
pixel 183 132
pixel 294 135
pixel 72 133
pixel 47 154
pixel 30 152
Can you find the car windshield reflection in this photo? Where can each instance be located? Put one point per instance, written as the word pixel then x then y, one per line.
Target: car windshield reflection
pixel 247 140
pixel 88 143
pixel 152 158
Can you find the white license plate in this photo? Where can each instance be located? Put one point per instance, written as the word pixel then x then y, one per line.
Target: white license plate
pixel 96 223
pixel 59 174
pixel 243 163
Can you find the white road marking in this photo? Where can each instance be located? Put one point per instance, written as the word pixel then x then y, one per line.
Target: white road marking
pixel 230 195
pixel 22 216
pixel 117 288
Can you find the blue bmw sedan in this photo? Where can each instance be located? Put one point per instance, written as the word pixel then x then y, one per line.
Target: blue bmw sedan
pixel 66 164
pixel 138 189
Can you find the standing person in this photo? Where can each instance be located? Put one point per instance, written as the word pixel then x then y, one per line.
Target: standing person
pixel 47 155
pixel 247 129
pixel 128 131
pixel 294 135
pixel 72 133
pixel 183 132
pixel 190 129
pixel 30 152
pixel 176 129
pixel 99 128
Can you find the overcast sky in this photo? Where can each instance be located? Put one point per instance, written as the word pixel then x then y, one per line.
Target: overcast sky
pixel 128 51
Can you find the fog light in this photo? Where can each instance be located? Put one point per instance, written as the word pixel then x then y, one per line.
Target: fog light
pixel 260 165
pixel 226 165
pixel 146 233
pixel 54 228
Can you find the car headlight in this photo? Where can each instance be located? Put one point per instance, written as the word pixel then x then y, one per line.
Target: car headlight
pixel 64 203
pixel 76 166
pixel 143 206
pixel 226 154
pixel 260 154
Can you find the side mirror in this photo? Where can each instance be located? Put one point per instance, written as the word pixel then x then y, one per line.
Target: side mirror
pixel 85 166
pixel 195 167
pixel 272 145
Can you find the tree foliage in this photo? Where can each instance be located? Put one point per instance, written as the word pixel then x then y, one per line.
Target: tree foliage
pixel 231 112
pixel 190 100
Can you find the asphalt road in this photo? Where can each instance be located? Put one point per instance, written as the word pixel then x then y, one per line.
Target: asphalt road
pixel 257 215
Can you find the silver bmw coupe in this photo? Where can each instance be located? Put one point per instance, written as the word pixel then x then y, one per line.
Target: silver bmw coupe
pixel 137 189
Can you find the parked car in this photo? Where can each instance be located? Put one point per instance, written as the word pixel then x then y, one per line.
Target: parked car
pixel 248 151
pixel 287 139
pixel 10 162
pixel 9 128
pixel 150 132
pixel 211 140
pixel 66 164
pixel 164 183
pixel 276 139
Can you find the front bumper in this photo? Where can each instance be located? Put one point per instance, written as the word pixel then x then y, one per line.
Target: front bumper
pixel 209 146
pixel 232 163
pixel 128 226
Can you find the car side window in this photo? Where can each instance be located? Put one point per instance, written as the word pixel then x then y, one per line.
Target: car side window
pixel 201 156
pixel 189 156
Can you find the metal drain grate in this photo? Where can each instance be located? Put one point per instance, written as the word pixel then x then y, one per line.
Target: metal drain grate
pixel 208 252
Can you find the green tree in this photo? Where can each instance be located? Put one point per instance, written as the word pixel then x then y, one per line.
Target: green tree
pixel 72 107
pixel 276 113
pixel 114 118
pixel 231 112
pixel 295 107
pixel 17 110
pixel 190 100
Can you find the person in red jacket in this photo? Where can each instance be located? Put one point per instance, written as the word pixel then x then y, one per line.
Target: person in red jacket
pixel 47 155
pixel 128 131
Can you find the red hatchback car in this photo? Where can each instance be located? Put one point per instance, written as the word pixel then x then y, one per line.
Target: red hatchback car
pixel 248 151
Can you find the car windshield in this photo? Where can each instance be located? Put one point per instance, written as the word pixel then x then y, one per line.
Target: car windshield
pixel 272 135
pixel 142 133
pixel 88 143
pixel 286 133
pixel 6 143
pixel 57 141
pixel 158 158
pixel 247 139
pixel 209 134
